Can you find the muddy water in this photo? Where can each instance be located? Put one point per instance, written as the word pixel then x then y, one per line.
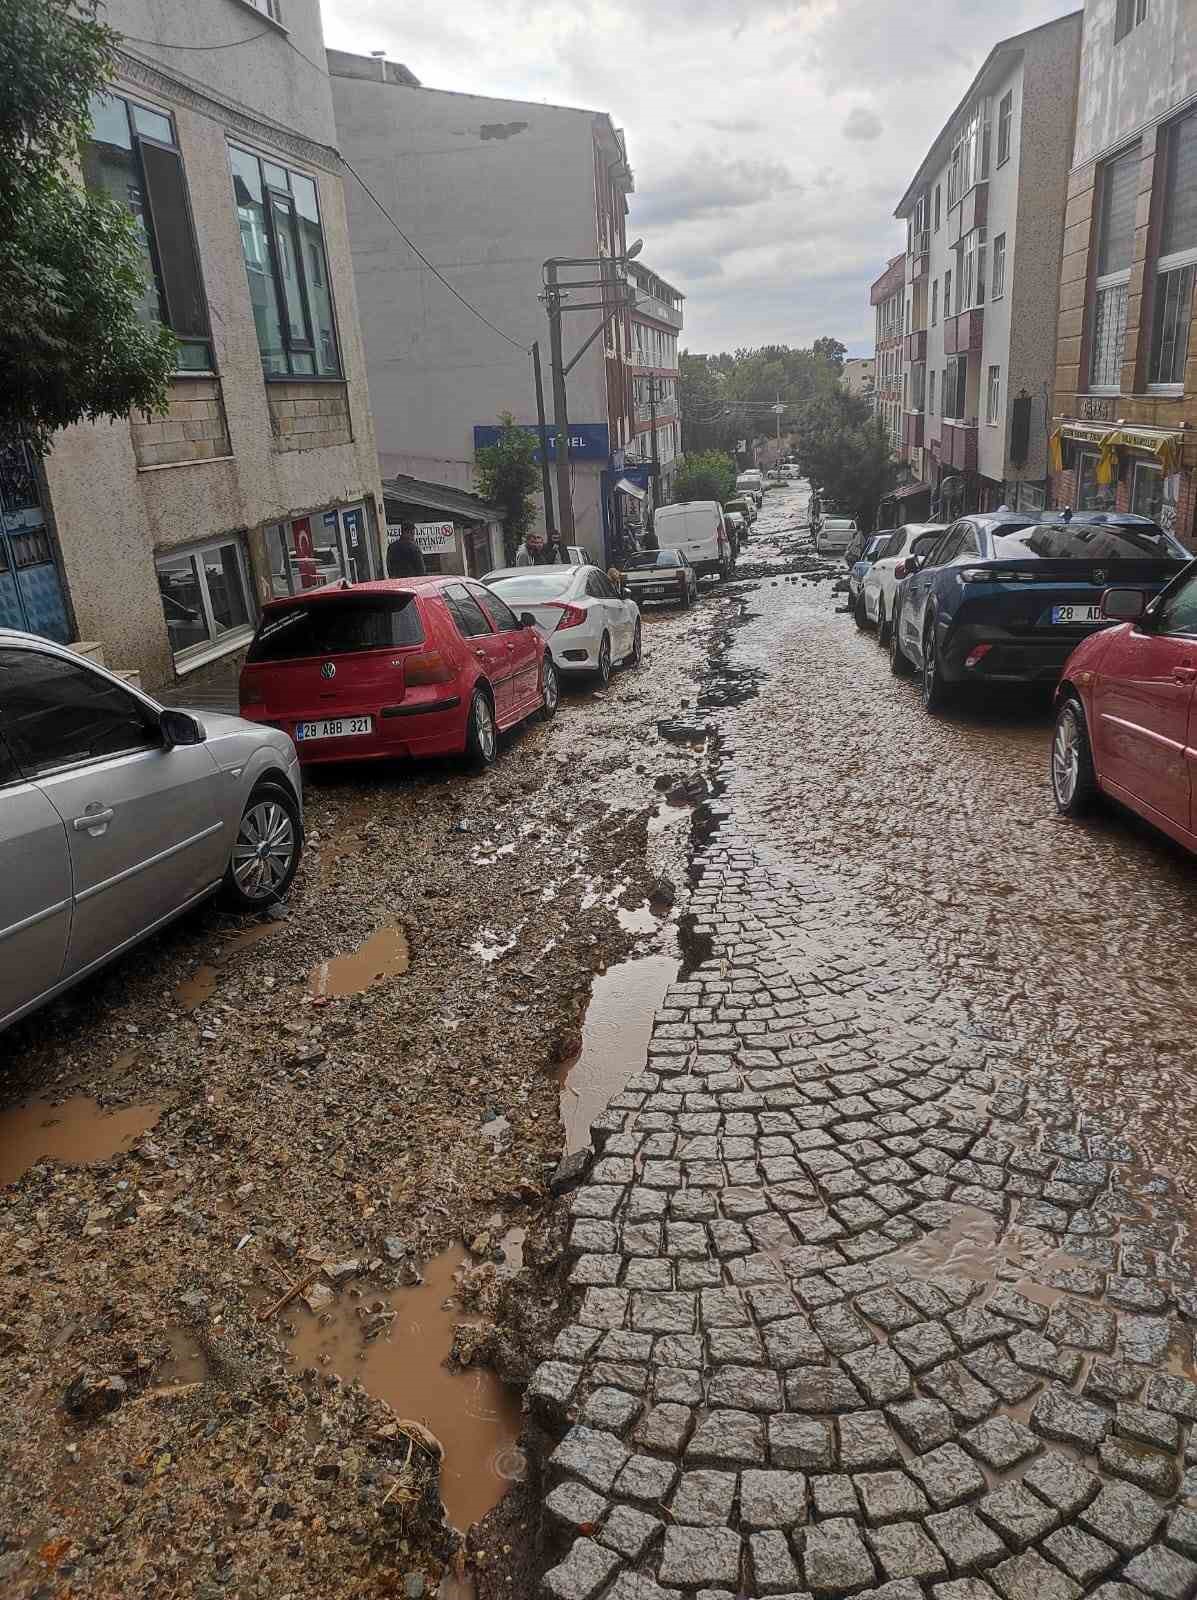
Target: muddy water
pixel 383 955
pixel 615 1036
pixel 201 985
pixel 476 1418
pixel 77 1131
pixel 1035 943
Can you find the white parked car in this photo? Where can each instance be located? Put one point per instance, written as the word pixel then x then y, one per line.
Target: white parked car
pixel 878 593
pixel 835 535
pixel 588 624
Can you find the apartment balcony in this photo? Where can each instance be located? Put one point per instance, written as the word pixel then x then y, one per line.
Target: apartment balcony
pixel 916 346
pixel 970 212
pixel 666 411
pixel 912 430
pixel 958 445
pixel 920 255
pixel 647 305
pixel 962 333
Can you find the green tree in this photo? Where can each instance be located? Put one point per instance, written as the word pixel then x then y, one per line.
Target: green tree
pixel 507 475
pixel 71 276
pixel 709 475
pixel 844 450
pixel 831 351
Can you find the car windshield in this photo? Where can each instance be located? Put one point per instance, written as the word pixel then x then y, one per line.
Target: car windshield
pixel 924 542
pixel 1088 541
pixel 653 558
pixel 538 583
pixel 337 627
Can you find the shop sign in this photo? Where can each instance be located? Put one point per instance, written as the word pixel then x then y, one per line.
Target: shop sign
pixel 435 538
pixel 355 526
pixel 588 441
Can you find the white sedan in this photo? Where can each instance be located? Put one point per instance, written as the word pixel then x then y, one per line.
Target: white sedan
pixel 587 623
pixel 879 591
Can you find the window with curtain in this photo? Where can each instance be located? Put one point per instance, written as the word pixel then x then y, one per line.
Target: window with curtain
pixel 993 397
pixel 1005 126
pixel 999 267
pixel 1118 196
pixel 132 156
pixel 1176 266
pixel 282 241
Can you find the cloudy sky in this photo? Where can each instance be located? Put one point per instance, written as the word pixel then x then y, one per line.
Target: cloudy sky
pixel 771 139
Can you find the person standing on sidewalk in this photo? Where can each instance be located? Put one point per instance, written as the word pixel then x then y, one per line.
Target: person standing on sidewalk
pixel 404 557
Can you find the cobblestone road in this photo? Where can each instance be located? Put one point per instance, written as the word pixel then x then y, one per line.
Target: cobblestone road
pixel 864 1302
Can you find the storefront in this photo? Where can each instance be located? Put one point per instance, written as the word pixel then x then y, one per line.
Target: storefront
pixel 1129 469
pixel 305 552
pixel 454 531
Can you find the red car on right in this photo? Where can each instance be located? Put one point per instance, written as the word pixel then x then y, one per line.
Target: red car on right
pixel 1126 710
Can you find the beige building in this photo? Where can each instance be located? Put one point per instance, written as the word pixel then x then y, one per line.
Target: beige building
pixel 858 376
pixel 161 536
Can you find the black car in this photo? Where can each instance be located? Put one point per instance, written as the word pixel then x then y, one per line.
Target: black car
pixel 1005 597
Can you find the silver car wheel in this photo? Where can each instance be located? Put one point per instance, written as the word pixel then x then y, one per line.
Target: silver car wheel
pixel 484 728
pixel 264 850
pixel 550 684
pixel 1066 758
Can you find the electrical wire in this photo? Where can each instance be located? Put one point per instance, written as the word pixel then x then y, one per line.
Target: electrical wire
pixel 229 44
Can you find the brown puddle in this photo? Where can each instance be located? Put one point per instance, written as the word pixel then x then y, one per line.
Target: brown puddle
pixel 615 1035
pixel 76 1131
pixel 476 1418
pixel 201 985
pixel 384 955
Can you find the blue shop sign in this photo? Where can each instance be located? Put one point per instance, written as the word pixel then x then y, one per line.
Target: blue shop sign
pixel 588 441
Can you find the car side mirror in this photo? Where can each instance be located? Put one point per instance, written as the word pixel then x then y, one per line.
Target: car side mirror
pixel 527 620
pixel 180 727
pixel 1123 605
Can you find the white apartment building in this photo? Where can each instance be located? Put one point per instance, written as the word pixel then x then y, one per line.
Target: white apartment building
pixel 985 225
pixel 887 296
pixel 656 324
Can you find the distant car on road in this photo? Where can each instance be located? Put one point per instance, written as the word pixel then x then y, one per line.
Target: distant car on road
pixel 1125 708
pixel 879 590
pixel 589 626
pixel 661 577
pixel 698 529
pixel 737 530
pixel 117 814
pixel 752 482
pixel 400 667
pixel 745 505
pixel 859 570
pixel 835 535
pixel 1005 597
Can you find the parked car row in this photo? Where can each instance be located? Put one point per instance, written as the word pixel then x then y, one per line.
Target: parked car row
pixel 1100 607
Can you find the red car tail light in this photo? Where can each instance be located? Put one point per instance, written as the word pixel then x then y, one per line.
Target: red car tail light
pixel 571 617
pixel 429 666
pixel 977 655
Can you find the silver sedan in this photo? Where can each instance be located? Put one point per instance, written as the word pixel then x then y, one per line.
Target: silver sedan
pixel 117 814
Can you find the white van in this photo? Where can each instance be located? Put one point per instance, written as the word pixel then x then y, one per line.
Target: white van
pixel 697 529
pixel 752 482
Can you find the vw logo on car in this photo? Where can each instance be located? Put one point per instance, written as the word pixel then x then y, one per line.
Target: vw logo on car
pixel 328 669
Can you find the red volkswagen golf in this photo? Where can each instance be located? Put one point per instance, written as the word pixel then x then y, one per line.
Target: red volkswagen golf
pixel 1126 717
pixel 403 667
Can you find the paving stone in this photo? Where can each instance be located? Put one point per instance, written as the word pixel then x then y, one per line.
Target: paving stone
pixel 976 1326
pixel 704 1498
pixel 604 1308
pixel 739 1346
pixel 590 1455
pixel 1001 1442
pixel 662 1313
pixel 645 1274
pixel 1162 1573
pixel 881 1374
pixel 679 1350
pixel 948 1476
pixel 903 1550
pixel 572 1505
pixel 834 1558
pixel 968 1543
pixel 1117 1591
pixel 1167 1392
pixel 664 1428
pixel 964 1589
pixel 834 1496
pixel 1147 1426
pixel 1008 1303
pixel 611 1409
pixel 1125 1458
pixel 801 1442
pixel 1057 1414
pixel 630 1532
pixel 924 1345
pixel 1037 1354
pixel 792 1342
pixel 965 1396
pixel 694 1556
pixel 889 1496
pixel 1182 1530
pixel 746 1389
pixel 1081 1555
pixel 1076 1322
pixel 841 1330
pixel 645 1478
pixel 1112 1380
pixel 639 1586
pixel 866 1440
pixel 1145 1339
pixel 1064 1485
pixel 552 1387
pixel 728 1438
pixel 575 1343
pixel 1030 1577
pixel 997 1372
pixel 584 1572
pixel 1124 1517
pixel 822 1390
pixel 1019 1517
pixel 773 1567
pixel 679 1385
pixel 887 1310
pixel 772 1499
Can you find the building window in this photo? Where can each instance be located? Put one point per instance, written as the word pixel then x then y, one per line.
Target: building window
pixel 938 204
pixel 1177 264
pixel 132 156
pixel 935 302
pixel 1147 491
pixel 972 271
pixel 1129 15
pixel 1119 187
pixel 1005 125
pixel 287 266
pixel 993 397
pixel 955 382
pixel 918 384
pixel 205 597
pixel 999 267
pixel 931 394
pixel 947 295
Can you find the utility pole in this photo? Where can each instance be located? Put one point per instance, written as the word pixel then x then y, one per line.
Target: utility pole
pixel 652 417
pixel 546 487
pixel 565 504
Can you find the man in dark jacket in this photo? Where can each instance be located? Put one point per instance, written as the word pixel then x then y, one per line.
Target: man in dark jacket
pixel 404 559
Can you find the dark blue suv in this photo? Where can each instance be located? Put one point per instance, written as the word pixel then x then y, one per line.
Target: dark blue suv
pixel 1006 596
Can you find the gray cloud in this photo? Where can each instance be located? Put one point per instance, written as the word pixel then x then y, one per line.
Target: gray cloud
pixel 709 185
pixel 862 124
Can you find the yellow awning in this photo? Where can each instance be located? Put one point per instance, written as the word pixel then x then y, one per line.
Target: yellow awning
pixel 1165 444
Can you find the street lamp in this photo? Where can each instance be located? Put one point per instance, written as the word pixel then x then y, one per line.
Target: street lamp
pixel 555 295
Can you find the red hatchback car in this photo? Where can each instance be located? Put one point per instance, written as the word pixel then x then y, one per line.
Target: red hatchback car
pixel 1126 715
pixel 426 666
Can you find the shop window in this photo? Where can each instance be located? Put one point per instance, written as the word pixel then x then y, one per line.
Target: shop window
pixel 282 241
pixel 205 596
pixel 1091 495
pixel 133 157
pixel 1147 490
pixel 308 552
pixel 1118 191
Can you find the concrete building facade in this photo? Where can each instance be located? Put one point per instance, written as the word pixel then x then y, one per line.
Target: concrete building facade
pixel 490 189
pixel 887 297
pixel 858 376
pixel 985 222
pixel 656 324
pixel 1125 426
pixel 262 478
